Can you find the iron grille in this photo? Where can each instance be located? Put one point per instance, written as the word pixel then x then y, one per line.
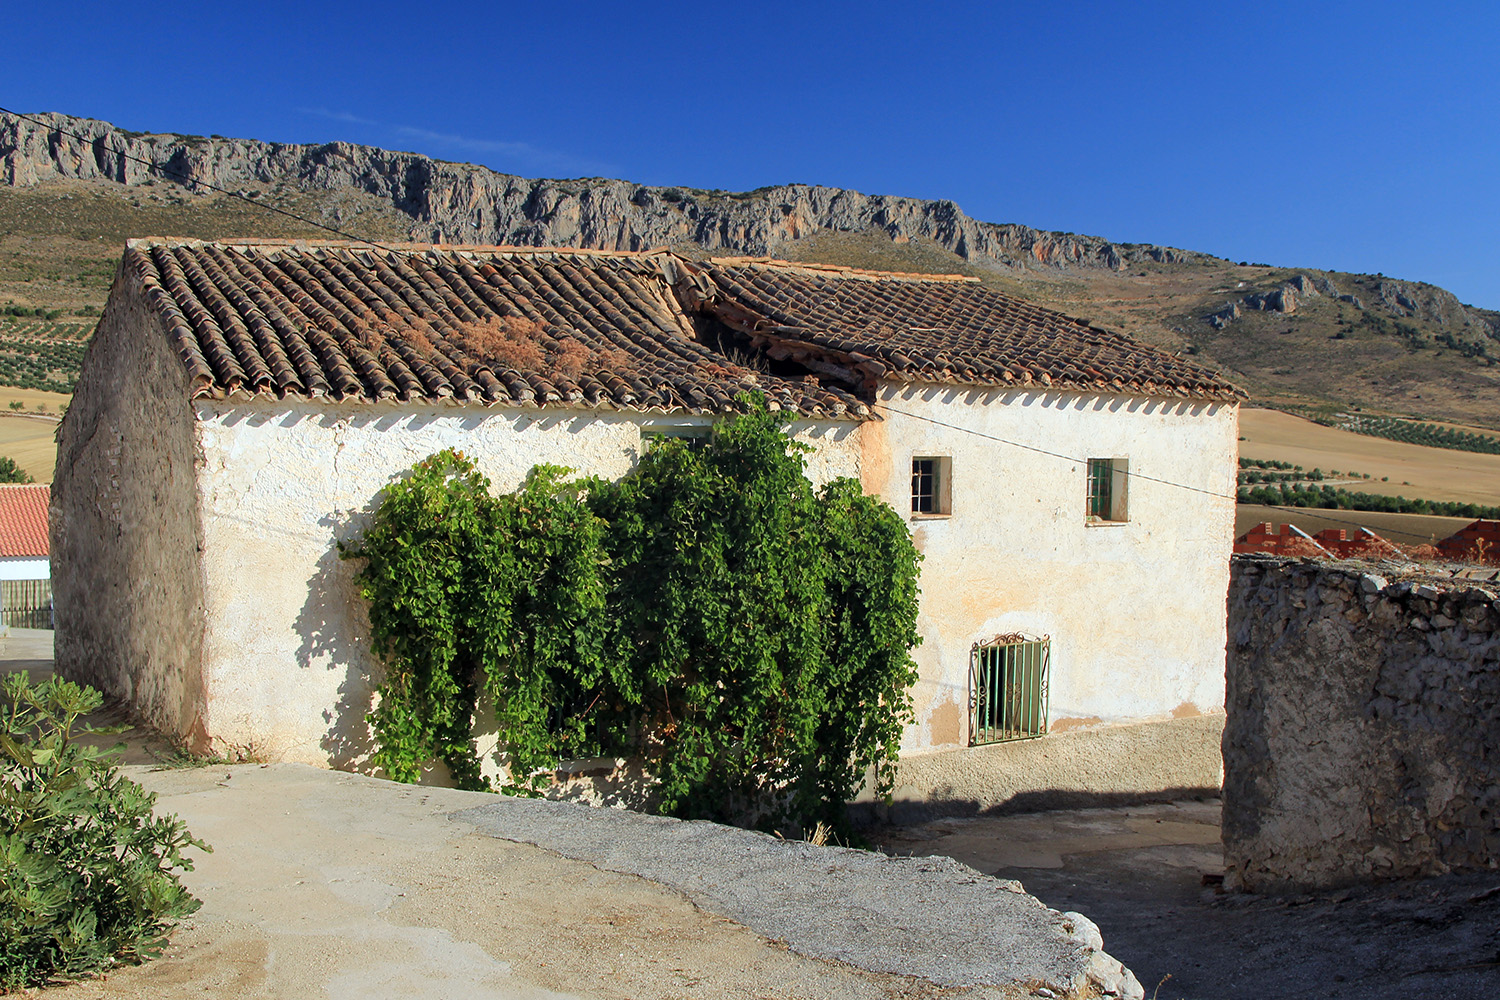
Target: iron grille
pixel 1008 689
pixel 924 486
pixel 1101 476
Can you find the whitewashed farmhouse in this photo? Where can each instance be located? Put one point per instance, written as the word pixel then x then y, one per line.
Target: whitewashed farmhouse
pixel 242 404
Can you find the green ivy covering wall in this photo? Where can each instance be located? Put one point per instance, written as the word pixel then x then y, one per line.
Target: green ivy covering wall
pixel 746 638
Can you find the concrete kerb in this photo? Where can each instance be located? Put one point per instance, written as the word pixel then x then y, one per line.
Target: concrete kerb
pixel 932 917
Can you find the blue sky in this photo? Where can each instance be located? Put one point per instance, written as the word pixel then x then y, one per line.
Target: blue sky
pixel 1353 136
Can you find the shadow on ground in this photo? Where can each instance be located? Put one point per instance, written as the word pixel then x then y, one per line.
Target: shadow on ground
pixel 29 651
pixel 1139 873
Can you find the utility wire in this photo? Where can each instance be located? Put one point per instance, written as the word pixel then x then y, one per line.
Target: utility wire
pixel 266 206
pixel 1318 512
pixel 1052 454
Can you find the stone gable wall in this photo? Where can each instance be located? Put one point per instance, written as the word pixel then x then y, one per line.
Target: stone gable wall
pixel 1363 731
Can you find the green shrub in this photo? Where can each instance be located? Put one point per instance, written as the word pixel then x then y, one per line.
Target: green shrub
pixel 745 637
pixel 88 876
pixel 10 472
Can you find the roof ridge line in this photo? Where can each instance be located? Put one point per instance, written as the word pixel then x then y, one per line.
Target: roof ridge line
pixel 382 246
pixel 857 272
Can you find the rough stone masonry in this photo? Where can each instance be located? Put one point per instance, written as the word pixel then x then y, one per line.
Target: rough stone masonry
pixel 1363 732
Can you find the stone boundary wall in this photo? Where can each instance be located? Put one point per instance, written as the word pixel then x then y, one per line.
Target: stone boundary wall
pixel 1363 730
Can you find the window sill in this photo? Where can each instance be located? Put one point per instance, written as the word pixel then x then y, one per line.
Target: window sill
pixel 1105 524
pixel 930 517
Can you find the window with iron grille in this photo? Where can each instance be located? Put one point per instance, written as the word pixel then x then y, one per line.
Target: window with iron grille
pixel 1107 489
pixel 1008 689
pixel 930 493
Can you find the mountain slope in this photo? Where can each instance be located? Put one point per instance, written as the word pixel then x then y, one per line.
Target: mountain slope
pixel 1292 336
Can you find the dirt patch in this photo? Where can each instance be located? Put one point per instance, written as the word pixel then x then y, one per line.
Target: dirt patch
pixel 30 442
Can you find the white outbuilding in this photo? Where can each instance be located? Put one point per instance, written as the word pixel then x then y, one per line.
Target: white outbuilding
pixel 242 405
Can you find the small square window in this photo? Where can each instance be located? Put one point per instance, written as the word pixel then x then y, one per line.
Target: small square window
pixel 695 437
pixel 930 487
pixel 1107 479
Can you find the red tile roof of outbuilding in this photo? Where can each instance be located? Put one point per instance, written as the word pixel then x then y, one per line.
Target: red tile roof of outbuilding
pixel 23 520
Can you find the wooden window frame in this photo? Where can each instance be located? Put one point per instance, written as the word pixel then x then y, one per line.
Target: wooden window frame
pixel 1107 491
pixel 931 486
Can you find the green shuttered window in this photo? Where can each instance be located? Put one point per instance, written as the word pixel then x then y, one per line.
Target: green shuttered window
pixel 1008 689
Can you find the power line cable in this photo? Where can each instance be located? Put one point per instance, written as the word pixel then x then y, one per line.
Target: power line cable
pixel 1317 512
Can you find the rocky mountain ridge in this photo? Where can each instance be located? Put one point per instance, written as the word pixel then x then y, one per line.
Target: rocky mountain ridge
pixel 463 203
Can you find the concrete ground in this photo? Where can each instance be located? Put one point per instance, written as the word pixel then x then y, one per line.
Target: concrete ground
pixel 323 883
pixel 1139 873
pixel 328 884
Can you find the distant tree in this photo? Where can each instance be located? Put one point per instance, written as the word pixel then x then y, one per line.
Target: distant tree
pixel 10 472
pixel 16 404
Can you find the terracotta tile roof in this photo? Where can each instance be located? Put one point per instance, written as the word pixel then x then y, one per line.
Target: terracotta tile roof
pixel 488 324
pixel 23 520
pixel 937 328
pixel 610 329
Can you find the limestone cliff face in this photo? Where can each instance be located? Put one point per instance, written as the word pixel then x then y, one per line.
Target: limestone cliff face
pixel 455 202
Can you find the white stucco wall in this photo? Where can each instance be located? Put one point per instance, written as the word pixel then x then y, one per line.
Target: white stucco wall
pixel 25 568
pixel 286 655
pixel 1135 610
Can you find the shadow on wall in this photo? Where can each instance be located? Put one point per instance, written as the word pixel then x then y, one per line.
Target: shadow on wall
pixel 334 627
pixel 947 803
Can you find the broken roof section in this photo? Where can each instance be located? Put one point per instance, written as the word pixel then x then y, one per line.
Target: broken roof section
pixel 940 328
pixel 608 329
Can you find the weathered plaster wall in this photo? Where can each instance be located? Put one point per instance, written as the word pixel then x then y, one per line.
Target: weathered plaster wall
pixel 287 651
pixel 125 536
pixel 1363 735
pixel 1135 610
pixel 1107 765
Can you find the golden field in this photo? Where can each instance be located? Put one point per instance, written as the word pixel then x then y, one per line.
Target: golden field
pixel 29 441
pixel 1433 473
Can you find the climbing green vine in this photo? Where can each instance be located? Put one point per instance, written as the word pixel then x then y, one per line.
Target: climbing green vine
pixel 746 638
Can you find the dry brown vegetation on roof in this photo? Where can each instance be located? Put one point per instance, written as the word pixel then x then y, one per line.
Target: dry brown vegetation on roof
pixel 625 330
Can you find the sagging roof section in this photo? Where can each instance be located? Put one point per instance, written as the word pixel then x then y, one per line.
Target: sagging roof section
pixel 939 328
pixel 614 330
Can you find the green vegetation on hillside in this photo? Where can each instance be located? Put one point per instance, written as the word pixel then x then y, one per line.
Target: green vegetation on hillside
pixel 1335 498
pixel 1413 432
pixel 45 355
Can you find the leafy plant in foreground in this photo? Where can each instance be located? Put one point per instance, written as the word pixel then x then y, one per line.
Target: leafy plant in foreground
pixel 88 876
